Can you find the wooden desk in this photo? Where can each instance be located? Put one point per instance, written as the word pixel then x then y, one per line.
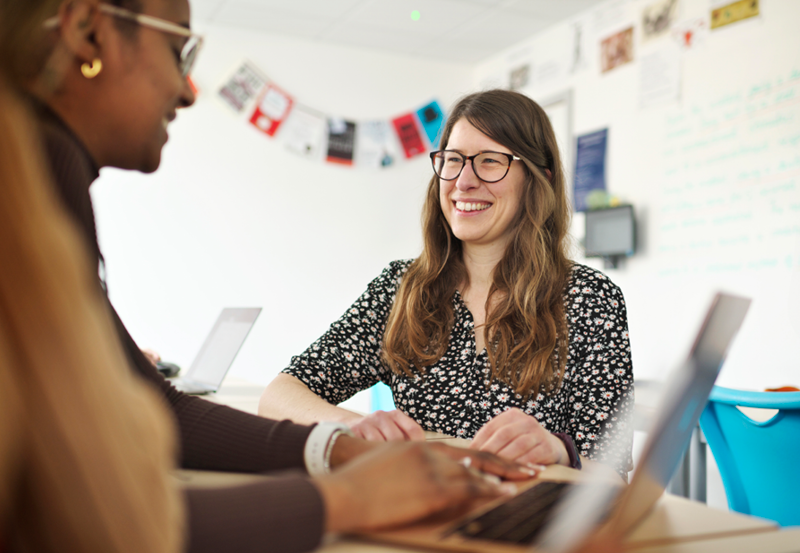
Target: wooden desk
pixel 676 525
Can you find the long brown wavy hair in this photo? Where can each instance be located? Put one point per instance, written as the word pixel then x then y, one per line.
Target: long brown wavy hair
pixel 526 327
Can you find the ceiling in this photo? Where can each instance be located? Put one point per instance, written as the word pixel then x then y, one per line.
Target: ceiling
pixel 466 31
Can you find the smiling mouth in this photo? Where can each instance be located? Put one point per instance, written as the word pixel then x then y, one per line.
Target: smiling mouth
pixel 472 206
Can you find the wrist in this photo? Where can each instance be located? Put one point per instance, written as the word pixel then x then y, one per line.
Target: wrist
pixel 349 447
pixel 321 444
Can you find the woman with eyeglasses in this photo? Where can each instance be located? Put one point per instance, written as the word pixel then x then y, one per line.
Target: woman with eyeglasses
pixel 492 333
pixel 105 80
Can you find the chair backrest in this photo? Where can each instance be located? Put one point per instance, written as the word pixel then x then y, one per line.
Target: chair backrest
pixel 759 461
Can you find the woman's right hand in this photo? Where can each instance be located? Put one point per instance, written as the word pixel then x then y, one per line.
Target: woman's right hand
pixel 401 482
pixel 384 426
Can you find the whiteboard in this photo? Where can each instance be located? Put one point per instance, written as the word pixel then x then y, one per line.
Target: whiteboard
pixel 714 175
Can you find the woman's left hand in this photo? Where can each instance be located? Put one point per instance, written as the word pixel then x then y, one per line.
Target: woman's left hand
pixel 515 436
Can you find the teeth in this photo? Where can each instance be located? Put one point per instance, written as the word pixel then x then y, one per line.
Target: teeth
pixel 470 206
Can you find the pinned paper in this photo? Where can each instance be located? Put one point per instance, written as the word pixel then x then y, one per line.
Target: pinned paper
pixel 432 119
pixel 733 12
pixel 271 111
pixel 304 132
pixel 660 76
pixel 519 77
pixel 658 18
pixel 407 131
pixel 242 88
pixel 616 50
pixel 376 145
pixel 690 33
pixel 341 141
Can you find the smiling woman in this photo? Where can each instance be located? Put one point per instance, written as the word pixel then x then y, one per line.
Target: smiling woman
pixel 492 333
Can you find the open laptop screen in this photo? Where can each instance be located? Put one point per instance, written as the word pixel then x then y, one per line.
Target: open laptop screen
pixel 222 345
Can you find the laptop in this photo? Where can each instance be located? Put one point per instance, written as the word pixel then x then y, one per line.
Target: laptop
pixel 560 508
pixel 215 358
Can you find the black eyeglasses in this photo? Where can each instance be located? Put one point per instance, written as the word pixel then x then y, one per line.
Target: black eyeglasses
pixel 488 166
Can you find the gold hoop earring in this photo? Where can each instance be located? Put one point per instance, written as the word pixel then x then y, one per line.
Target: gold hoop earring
pixel 92 70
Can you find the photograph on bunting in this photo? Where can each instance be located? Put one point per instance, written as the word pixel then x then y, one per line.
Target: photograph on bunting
pixel 243 87
pixel 616 50
pixel 341 141
pixel 304 132
pixel 408 132
pixel 271 110
pixel 376 145
pixel 431 118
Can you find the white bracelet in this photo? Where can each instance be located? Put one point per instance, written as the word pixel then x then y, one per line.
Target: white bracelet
pixel 319 446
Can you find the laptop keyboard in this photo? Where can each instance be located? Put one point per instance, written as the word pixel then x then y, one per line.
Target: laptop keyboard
pixel 518 520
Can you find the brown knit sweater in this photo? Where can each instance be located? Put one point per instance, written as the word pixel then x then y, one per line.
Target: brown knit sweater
pixel 284 514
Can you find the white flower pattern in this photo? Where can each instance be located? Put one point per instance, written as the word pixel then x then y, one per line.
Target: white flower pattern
pixel 455 396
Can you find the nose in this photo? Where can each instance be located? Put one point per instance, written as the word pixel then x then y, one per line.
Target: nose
pixel 188 94
pixel 467 180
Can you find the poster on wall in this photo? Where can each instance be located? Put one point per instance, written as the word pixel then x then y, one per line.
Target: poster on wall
pixel 272 108
pixel 658 18
pixel 376 145
pixel 616 50
pixel 304 132
pixel 341 141
pixel 660 76
pixel 733 12
pixel 242 88
pixel 432 119
pixel 590 166
pixel 406 128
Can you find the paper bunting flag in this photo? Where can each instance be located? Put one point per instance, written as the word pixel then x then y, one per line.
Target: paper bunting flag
pixel 304 132
pixel 432 120
pixel 408 132
pixel 271 110
pixel 376 145
pixel 243 87
pixel 341 141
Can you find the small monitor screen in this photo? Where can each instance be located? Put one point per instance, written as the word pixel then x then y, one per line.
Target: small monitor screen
pixel 610 232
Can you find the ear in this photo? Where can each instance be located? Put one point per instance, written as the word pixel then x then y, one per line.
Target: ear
pixel 78 28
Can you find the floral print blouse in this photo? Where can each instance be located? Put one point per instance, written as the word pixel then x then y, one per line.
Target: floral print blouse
pixel 455 396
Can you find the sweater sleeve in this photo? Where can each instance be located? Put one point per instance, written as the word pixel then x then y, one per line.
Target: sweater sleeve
pixel 347 358
pixel 217 437
pixel 286 513
pixel 601 401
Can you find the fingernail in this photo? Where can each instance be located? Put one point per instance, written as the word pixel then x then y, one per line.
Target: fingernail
pixel 491 478
pixel 529 471
pixel 508 488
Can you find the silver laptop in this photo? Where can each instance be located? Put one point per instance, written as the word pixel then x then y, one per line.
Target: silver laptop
pixel 555 512
pixel 218 352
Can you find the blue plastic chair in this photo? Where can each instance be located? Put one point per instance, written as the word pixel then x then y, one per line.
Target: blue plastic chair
pixel 381 398
pixel 759 461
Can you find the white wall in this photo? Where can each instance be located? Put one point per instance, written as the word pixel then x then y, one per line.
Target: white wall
pixel 713 175
pixel 233 219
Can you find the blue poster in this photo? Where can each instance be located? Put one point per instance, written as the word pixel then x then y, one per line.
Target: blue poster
pixel 432 119
pixel 590 166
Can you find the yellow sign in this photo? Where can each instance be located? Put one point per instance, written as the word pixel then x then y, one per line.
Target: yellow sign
pixel 733 12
